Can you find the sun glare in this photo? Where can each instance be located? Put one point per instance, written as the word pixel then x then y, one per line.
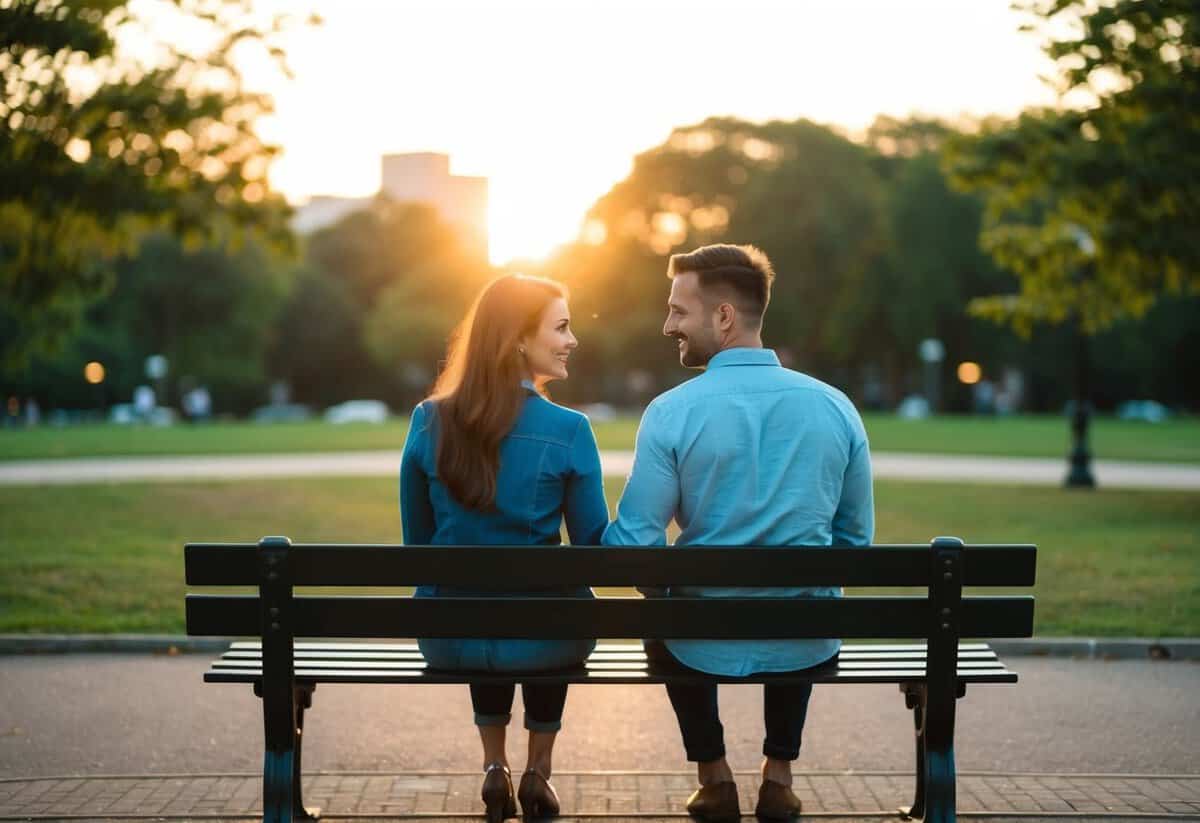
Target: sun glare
pixel 520 227
pixel 533 211
pixel 554 122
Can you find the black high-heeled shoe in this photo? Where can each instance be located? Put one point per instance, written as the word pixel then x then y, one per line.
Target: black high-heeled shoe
pixel 538 798
pixel 497 793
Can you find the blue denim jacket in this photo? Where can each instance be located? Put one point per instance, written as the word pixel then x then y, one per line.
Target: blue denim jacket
pixel 549 472
pixel 749 454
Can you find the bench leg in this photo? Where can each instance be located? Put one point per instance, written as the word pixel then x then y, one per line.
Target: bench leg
pixel 935 798
pixel 282 799
pixel 303 701
pixel 914 699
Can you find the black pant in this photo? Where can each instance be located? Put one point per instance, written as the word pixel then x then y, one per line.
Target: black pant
pixel 543 704
pixel 785 708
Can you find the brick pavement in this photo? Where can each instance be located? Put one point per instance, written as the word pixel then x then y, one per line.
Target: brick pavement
pixel 591 794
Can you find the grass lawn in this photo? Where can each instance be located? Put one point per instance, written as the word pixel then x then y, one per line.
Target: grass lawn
pixel 1028 436
pixel 108 558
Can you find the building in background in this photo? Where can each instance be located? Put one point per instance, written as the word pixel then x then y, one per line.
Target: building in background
pixel 422 177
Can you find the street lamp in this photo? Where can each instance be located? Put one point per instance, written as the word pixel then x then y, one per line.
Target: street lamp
pixel 1079 473
pixel 932 352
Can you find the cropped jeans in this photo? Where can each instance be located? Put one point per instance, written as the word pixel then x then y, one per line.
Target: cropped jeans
pixel 492 702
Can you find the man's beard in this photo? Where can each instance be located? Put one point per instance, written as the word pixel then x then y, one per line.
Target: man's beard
pixel 696 354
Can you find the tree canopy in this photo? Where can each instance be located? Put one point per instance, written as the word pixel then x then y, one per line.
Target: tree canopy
pixel 1094 204
pixel 108 133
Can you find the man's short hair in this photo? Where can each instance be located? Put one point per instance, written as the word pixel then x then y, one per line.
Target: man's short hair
pixel 743 271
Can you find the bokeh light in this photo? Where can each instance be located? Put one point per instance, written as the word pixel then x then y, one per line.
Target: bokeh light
pixel 969 372
pixel 93 372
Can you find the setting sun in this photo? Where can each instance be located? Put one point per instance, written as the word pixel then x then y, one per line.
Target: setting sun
pixel 554 120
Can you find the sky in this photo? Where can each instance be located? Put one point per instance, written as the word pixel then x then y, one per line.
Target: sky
pixel 552 100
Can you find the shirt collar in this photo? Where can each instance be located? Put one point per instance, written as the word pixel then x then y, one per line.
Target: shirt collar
pixel 744 357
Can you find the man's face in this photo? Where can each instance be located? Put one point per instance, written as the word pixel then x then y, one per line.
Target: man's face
pixel 690 322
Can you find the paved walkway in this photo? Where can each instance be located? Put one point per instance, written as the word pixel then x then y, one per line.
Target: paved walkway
pixel 948 468
pixel 135 736
pixel 592 794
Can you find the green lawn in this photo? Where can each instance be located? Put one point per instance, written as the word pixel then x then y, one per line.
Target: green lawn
pixel 1028 436
pixel 108 558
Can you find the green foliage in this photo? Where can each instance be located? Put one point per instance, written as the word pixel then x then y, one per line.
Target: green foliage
pixel 211 311
pixel 372 311
pixel 873 251
pixel 1095 207
pixel 98 147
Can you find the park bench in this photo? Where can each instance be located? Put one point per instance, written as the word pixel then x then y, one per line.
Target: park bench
pixel 932 674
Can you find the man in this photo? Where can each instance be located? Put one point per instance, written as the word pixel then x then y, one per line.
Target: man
pixel 748 453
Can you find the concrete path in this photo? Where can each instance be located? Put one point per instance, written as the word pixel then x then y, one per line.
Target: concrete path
pixel 947 468
pixel 141 714
pixel 129 736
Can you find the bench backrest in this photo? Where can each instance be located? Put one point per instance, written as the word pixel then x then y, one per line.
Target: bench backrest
pixel 942 568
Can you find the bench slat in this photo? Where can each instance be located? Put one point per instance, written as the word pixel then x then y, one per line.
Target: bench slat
pixel 215 564
pixel 601 646
pixel 701 618
pixel 633 654
pixel 583 676
pixel 611 662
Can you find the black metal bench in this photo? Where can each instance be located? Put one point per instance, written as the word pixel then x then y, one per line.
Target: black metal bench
pixel 284 672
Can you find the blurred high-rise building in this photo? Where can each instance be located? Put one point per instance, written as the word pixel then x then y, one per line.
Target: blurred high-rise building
pixel 421 177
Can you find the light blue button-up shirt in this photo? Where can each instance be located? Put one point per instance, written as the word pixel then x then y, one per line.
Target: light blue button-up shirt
pixel 749 453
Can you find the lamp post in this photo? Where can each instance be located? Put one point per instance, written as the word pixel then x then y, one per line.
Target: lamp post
pixel 932 352
pixel 1079 472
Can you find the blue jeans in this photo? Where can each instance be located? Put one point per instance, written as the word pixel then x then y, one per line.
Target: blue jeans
pixel 493 702
pixel 785 708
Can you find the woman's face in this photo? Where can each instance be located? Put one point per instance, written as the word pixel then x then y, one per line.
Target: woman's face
pixel 550 344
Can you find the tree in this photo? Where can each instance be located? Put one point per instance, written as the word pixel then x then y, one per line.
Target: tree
pixel 380 292
pixel 1095 209
pixel 874 252
pixel 806 194
pixel 99 147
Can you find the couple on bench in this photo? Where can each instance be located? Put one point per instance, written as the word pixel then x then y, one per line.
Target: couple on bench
pixel 747 453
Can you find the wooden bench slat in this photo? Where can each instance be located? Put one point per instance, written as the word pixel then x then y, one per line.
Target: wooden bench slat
pixel 379 665
pixel 214 564
pixel 601 646
pixel 700 618
pixel 249 655
pixel 245 663
pixel 434 677
pixel 599 656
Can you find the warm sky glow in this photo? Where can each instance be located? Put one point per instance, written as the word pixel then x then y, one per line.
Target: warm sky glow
pixel 551 100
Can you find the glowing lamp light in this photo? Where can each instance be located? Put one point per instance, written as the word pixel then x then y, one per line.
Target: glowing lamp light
pixel 93 372
pixel 969 373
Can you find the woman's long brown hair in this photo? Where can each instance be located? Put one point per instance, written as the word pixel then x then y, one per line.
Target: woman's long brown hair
pixel 479 393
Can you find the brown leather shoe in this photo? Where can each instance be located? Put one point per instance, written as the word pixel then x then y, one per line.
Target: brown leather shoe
pixel 497 794
pixel 538 798
pixel 716 803
pixel 776 802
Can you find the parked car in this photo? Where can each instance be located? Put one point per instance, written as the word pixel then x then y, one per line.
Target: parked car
pixel 913 407
pixel 1148 411
pixel 281 413
pixel 122 413
pixel 357 411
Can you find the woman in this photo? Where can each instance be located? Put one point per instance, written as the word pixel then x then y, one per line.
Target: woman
pixel 489 460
